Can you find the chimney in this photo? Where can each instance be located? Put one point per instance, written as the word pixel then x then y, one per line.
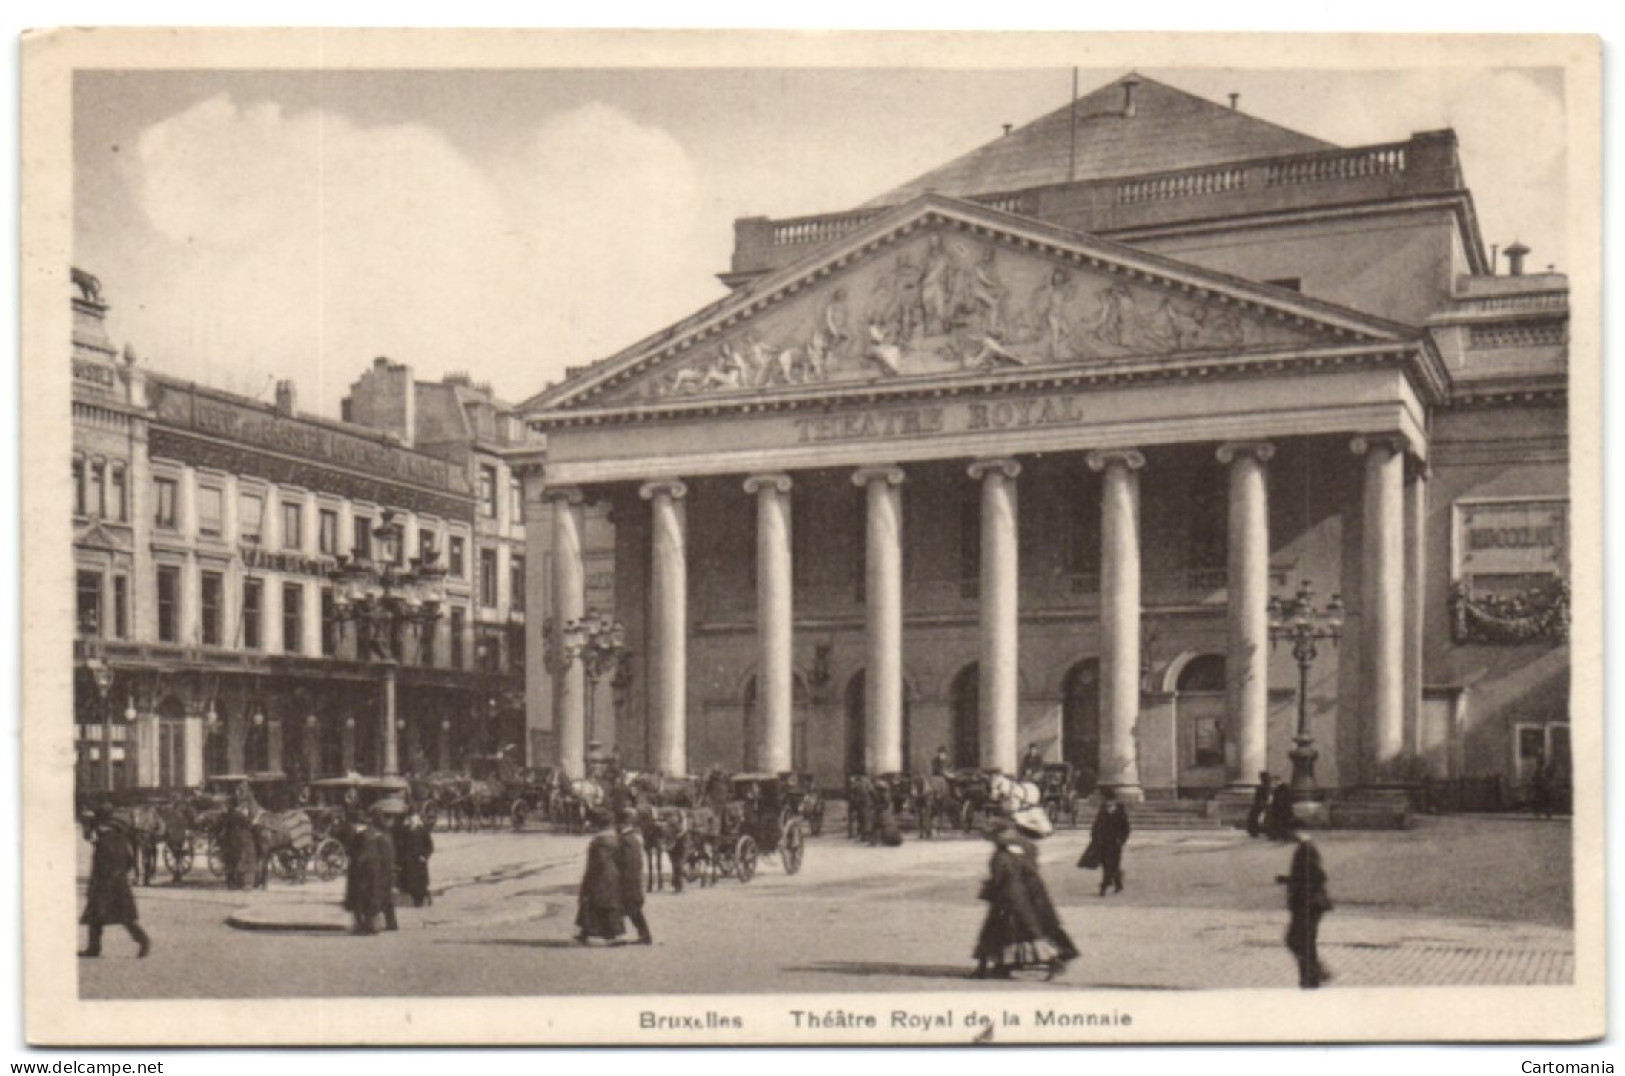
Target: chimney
pixel 1009 127
pixel 1234 98
pixel 1515 255
pixel 1495 257
pixel 284 397
pixel 1130 84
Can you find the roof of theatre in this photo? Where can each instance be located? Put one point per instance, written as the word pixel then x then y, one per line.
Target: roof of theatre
pixel 1166 130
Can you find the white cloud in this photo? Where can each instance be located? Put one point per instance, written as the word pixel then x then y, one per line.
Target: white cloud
pixel 304 244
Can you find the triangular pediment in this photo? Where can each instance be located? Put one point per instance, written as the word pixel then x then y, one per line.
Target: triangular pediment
pixel 941 289
pixel 96 536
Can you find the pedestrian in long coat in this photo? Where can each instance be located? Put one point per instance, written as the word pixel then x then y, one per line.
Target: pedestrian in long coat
pixel 1260 806
pixel 1307 900
pixel 369 886
pixel 1281 821
pixel 414 844
pixel 109 900
pixel 1109 834
pixel 598 905
pixel 238 849
pixel 629 864
pixel 1018 907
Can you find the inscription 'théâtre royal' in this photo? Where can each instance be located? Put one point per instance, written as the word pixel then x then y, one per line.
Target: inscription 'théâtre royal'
pixel 952 418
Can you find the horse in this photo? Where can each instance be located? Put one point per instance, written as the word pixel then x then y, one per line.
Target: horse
pixel 665 837
pixel 861 794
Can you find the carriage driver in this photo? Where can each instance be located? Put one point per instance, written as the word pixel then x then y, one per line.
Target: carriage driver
pixel 1032 765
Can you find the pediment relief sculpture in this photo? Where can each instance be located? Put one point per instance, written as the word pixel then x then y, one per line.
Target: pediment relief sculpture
pixel 945 303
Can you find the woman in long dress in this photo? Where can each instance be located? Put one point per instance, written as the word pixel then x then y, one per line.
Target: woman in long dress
pixel 598 907
pixel 1020 920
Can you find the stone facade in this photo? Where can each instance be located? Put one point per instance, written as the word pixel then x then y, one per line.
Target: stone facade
pixel 206 528
pixel 1026 466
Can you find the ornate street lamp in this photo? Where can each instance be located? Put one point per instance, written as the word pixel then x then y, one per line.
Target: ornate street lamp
pixel 1297 621
pixel 101 674
pixel 599 643
pixel 382 597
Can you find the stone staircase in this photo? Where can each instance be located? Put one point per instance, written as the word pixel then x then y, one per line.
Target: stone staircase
pixel 1167 814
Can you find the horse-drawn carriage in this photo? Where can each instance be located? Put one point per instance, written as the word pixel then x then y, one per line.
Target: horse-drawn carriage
pixel 1058 788
pixel 729 840
pixel 803 799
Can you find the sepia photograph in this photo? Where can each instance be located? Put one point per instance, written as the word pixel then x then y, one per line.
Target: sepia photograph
pixel 725 538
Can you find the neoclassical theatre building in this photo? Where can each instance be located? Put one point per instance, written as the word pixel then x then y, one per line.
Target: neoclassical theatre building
pixel 1020 452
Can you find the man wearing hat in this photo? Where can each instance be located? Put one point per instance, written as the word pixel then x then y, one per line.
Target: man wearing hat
pixel 1109 834
pixel 108 900
pixel 1261 804
pixel 1307 900
pixel 630 863
pixel 370 886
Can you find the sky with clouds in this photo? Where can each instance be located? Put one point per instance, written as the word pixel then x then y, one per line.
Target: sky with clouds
pixel 254 225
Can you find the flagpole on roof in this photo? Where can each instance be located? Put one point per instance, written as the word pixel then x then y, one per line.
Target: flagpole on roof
pixel 1072 125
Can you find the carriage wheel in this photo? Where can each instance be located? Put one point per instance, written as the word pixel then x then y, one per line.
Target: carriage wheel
pixel 792 846
pixel 330 859
pixel 217 862
pixel 519 812
pixel 745 858
pixel 178 860
pixel 431 814
pixel 967 816
pixel 1052 810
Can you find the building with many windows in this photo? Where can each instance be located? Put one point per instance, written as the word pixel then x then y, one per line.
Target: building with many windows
pixel 1021 452
pixel 210 640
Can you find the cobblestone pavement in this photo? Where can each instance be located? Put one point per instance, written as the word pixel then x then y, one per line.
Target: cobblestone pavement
pixel 1475 902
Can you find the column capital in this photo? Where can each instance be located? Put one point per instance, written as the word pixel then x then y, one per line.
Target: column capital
pixel 1003 464
pixel 570 495
pixel 1262 451
pixel 1132 458
pixel 1364 443
pixel 888 473
pixel 777 481
pixel 674 488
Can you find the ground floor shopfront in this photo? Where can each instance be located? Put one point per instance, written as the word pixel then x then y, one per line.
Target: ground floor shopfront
pixel 176 718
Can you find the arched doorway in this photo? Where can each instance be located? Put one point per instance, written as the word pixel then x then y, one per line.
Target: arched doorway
pixel 1199 705
pixel 1080 722
pixel 966 701
pixel 800 700
pixel 857 725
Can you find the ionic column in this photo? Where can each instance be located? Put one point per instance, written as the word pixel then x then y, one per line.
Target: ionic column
pixel 569 603
pixel 999 675
pixel 1248 588
pixel 668 625
pixel 883 681
pixel 1382 604
pixel 1119 617
pixel 774 687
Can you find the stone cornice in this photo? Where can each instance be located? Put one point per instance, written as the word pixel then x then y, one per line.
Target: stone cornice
pixel 1420 358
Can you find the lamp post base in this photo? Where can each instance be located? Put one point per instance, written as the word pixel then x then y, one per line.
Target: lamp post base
pixel 1303 758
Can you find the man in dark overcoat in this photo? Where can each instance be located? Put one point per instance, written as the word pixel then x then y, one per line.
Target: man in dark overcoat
pixel 630 865
pixel 368 888
pixel 108 900
pixel 940 764
pixel 238 849
pixel 1260 806
pixel 598 904
pixel 384 854
pixel 1109 834
pixel 414 844
pixel 1281 820
pixel 1307 900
